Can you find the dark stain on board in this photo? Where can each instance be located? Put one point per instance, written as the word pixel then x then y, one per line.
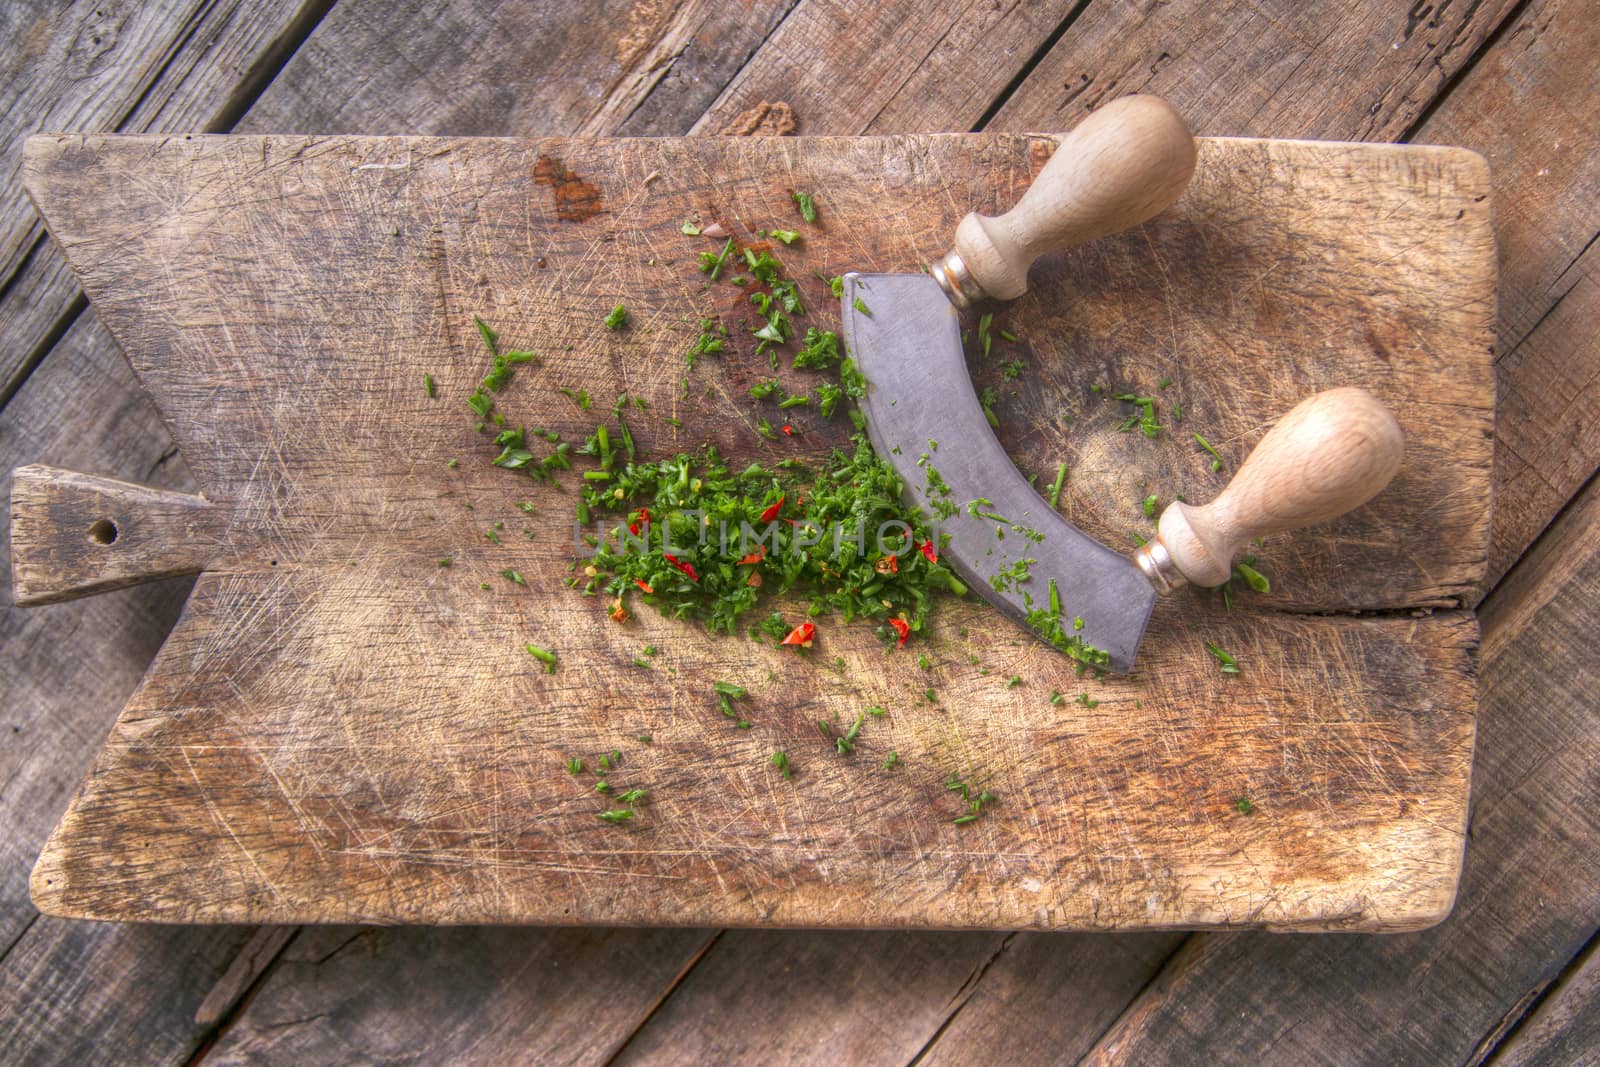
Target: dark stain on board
pixel 576 199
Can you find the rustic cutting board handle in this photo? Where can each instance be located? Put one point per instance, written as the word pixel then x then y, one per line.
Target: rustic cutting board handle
pixel 1122 165
pixel 1330 454
pixel 75 534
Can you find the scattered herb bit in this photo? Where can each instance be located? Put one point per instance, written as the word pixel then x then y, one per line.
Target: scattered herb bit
pixel 513 576
pixel 632 796
pixel 644 739
pixel 1252 577
pixel 543 655
pixel 762 390
pixel 1216 457
pixel 796 401
pixel 1007 335
pixel 711 263
pixel 1244 805
pixel 846 744
pixel 1087 701
pixel 602 786
pixel 453 463
pixel 788 237
pixel 1228 664
pixel 780 760
pixel 836 285
pixel 428 386
pixel 808 206
pixel 1147 421
pixel 819 350
pixel 491 339
pixel 1055 490
pixel 861 306
pixel 617 319
pixel 1057 697
pixel 984 339
pixel 617 815
pixel 1163 383
pixel 892 760
pixel 574 765
pixel 1149 506
pixel 1014 681
pixel 691 228
pixel 1011 369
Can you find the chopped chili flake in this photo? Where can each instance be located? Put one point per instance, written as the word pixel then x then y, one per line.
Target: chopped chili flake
pixel 642 584
pixel 801 635
pixel 788 430
pixel 755 557
pixel 888 565
pixel 687 568
pixel 618 612
pixel 772 511
pixel 928 550
pixel 902 628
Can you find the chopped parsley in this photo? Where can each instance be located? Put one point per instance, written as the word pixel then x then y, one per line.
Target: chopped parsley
pixel 1216 457
pixel 807 206
pixel 617 319
pixel 1227 663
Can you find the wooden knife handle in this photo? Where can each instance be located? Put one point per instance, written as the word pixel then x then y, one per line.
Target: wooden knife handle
pixel 1332 453
pixel 1122 165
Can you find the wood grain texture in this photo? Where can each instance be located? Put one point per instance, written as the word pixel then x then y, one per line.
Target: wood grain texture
pixel 337 566
pixel 1547 215
pixel 900 984
pixel 1528 901
pixel 480 995
pixel 1565 1028
pixel 101 66
pixel 1358 70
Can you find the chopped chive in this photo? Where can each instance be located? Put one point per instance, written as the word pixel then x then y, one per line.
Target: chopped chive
pixel 617 815
pixel 1055 490
pixel 1216 461
pixel 1228 664
pixel 780 760
pixel 428 386
pixel 543 655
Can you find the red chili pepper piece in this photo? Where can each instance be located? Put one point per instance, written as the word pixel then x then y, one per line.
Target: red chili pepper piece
pixel 788 431
pixel 801 635
pixel 642 584
pixel 755 557
pixel 772 512
pixel 902 628
pixel 687 568
pixel 929 551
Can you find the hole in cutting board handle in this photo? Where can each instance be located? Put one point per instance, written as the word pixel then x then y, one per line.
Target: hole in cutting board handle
pixel 103 532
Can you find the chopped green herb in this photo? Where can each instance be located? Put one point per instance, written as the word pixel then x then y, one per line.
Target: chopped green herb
pixel 1216 457
pixel 1055 490
pixel 574 765
pixel 892 760
pixel 1244 805
pixel 617 815
pixel 1007 335
pixel 1252 577
pixel 445 562
pixel 691 228
pixel 644 739
pixel 780 760
pixel 1014 681
pixel 543 655
pixel 632 796
pixel 712 263
pixel 513 576
pixel 491 339
pixel 788 237
pixel 1057 697
pixel 1228 664
pixel 808 206
pixel 1149 506
pixel 861 306
pixel 799 400
pixel 984 339
pixel 819 350
pixel 617 319
pixel 428 386
pixel 1087 701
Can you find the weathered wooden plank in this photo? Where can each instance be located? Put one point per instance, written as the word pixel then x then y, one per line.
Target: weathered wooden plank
pixel 1527 902
pixel 867 997
pixel 1531 106
pixel 1565 1027
pixel 93 994
pixel 1357 70
pixel 441 995
pixel 1047 998
pixel 850 68
pixel 175 65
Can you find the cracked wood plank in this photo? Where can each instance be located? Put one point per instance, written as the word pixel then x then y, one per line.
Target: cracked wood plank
pixel 1532 106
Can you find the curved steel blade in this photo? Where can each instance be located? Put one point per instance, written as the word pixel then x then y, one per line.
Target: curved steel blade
pixel 923 416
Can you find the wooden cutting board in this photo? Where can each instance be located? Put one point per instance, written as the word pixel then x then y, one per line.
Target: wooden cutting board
pixel 340 729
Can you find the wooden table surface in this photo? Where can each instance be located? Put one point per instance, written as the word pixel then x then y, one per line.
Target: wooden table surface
pixel 1511 976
